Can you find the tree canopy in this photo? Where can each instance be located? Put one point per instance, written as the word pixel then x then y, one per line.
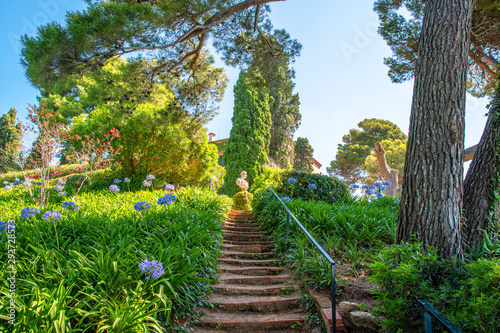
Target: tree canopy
pixel 349 163
pixel 303 158
pixel 248 144
pixel 10 139
pixel 402 32
pixel 172 33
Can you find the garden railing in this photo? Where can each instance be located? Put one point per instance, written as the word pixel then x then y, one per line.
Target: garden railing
pixel 318 247
pixel 427 312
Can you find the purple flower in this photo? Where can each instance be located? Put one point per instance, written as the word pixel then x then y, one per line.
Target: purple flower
pixel 117 181
pixel 371 187
pixel 59 188
pixel 169 187
pixel 379 195
pixel 29 212
pixel 285 199
pixel 70 205
pixel 152 269
pixel 126 180
pixel 150 177
pixel 17 182
pixel 214 179
pixel 146 183
pixel 6 226
pixel 62 194
pixel 355 186
pixel 26 183
pixel 364 186
pixel 368 192
pixel 292 180
pixel 167 199
pixel 114 188
pixel 7 187
pixel 142 205
pixel 312 187
pixel 52 216
pixel 5 182
pixel 396 202
pixel 387 183
pixel 62 181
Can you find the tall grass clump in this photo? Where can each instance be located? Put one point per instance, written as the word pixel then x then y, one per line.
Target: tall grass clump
pixel 81 272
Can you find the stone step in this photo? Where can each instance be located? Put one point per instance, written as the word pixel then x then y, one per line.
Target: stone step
pixel 246 255
pixel 242 229
pixel 244 237
pixel 248 242
pixel 255 280
pixel 241 224
pixel 256 303
pixel 252 248
pixel 249 321
pixel 248 262
pixel 251 271
pixel 257 290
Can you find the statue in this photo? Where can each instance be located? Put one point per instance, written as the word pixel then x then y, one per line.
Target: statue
pixel 241 182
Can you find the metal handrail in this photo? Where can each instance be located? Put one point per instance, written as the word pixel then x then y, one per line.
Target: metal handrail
pixel 427 312
pixel 320 249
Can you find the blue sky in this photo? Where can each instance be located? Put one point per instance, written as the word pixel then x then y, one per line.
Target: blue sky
pixel 340 75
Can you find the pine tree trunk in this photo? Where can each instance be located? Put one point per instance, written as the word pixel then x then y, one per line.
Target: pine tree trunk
pixel 431 201
pixel 482 183
pixel 389 173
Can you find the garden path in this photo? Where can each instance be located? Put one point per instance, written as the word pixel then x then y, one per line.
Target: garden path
pixel 253 293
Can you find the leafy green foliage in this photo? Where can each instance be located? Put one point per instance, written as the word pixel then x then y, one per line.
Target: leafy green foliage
pixel 242 201
pixel 269 177
pixel 155 135
pixel 81 272
pixel 358 145
pixel 328 189
pixel 248 144
pixel 467 293
pixel 10 139
pixel 303 155
pixel 347 229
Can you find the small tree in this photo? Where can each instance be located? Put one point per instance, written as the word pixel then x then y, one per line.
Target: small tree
pixel 248 144
pixel 303 155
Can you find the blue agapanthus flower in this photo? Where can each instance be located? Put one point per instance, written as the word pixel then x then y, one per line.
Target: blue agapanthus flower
pixel 371 187
pixel 285 199
pixel 214 179
pixel 39 183
pixel 152 269
pixel 364 186
pixel 6 226
pixel 61 194
pixel 114 188
pixel 126 180
pixel 383 188
pixel 387 183
pixel 169 187
pixel 117 181
pixel 167 199
pixel 142 205
pixel 70 205
pixel 52 216
pixel 311 186
pixel 150 177
pixel 59 188
pixel 379 195
pixel 62 181
pixel 369 192
pixel 355 186
pixel 26 183
pixel 5 182
pixel 7 187
pixel 29 212
pixel 17 182
pixel 396 202
pixel 378 184
pixel 292 180
pixel 147 183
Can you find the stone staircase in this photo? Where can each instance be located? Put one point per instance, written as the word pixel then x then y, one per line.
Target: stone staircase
pixel 253 293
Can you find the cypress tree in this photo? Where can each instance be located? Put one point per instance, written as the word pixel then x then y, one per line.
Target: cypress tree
pixel 303 155
pixel 248 144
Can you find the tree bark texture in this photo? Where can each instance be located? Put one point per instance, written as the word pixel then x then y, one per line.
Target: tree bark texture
pixel 481 184
pixel 431 201
pixel 389 173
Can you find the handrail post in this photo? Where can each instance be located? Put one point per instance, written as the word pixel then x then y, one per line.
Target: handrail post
pixel 334 312
pixel 287 225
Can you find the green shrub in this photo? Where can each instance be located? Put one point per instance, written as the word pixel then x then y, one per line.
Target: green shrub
pixel 268 178
pixel 328 189
pixel 242 201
